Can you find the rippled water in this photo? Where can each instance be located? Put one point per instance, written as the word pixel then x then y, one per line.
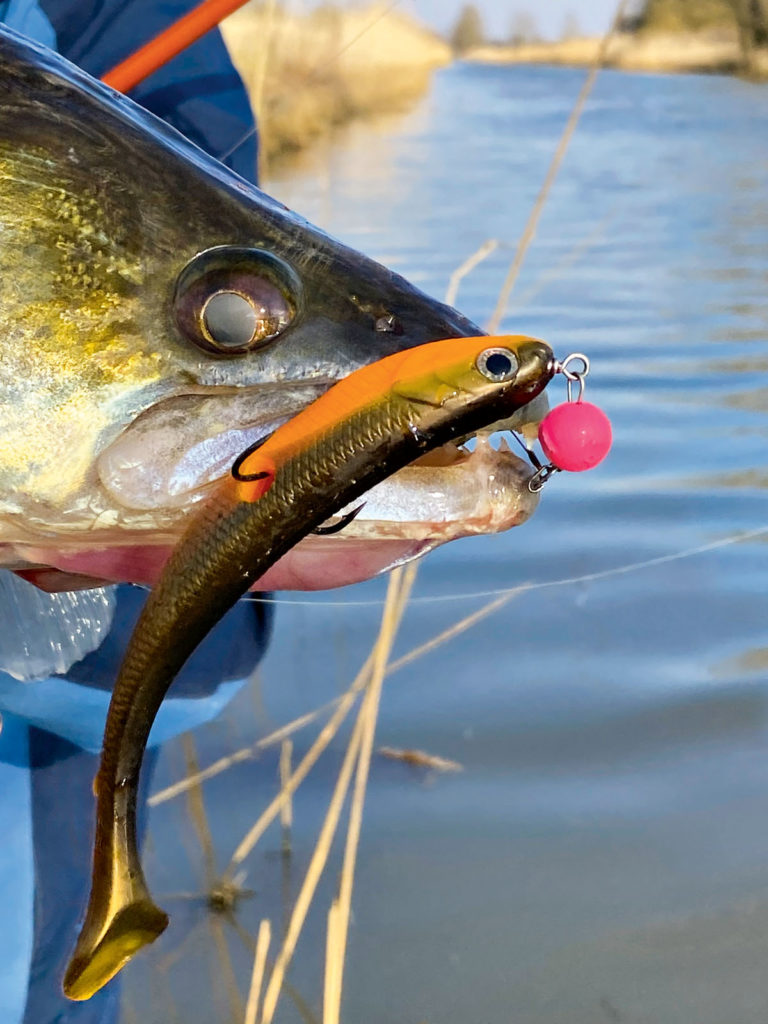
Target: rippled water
pixel 604 854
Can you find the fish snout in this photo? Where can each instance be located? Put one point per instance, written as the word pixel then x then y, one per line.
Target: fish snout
pixel 361 312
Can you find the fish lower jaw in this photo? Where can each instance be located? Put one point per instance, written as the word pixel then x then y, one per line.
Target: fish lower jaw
pixel 447 494
pixel 436 500
pixel 317 563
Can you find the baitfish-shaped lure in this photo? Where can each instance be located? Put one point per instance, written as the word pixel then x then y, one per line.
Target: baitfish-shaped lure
pixel 370 424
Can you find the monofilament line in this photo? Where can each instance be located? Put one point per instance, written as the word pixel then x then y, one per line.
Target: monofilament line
pixel 566 581
pixel 529 232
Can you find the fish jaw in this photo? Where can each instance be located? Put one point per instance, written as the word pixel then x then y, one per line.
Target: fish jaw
pixel 449 495
pixel 314 564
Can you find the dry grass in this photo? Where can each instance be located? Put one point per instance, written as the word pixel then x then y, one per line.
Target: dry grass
pixel 308 73
pixel 710 50
pixel 356 760
pixel 683 16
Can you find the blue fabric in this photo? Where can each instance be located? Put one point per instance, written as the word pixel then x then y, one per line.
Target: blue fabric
pixel 16 869
pixel 199 92
pixel 75 706
pixel 46 812
pixel 77 713
pixel 27 17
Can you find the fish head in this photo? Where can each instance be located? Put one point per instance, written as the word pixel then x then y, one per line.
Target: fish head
pixel 159 315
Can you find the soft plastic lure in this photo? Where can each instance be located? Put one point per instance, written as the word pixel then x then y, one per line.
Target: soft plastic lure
pixel 370 424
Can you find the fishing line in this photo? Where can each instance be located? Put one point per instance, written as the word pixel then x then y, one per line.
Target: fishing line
pixel 567 581
pixel 570 259
pixel 529 231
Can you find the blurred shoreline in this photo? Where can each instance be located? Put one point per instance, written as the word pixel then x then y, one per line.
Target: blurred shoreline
pixel 307 74
pixel 714 51
pixel 310 73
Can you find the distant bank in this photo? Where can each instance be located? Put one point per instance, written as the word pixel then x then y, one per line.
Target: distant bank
pixel 309 73
pixel 715 51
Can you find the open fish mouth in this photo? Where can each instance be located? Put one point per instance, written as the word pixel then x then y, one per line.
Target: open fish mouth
pixel 168 460
pixel 128 391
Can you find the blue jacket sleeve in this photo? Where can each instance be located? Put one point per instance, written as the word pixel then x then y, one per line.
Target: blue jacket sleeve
pixel 199 91
pixel 74 706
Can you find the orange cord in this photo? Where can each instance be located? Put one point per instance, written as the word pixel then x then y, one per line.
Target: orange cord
pixel 164 47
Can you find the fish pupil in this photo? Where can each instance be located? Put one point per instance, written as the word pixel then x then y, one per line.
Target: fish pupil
pixel 230 319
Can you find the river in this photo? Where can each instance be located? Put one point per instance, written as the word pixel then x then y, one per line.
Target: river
pixel 603 855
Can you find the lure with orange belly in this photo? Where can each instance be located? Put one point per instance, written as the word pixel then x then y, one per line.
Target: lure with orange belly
pixel 367 426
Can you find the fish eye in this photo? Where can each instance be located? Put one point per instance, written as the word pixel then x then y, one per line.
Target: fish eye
pixel 230 300
pixel 497 364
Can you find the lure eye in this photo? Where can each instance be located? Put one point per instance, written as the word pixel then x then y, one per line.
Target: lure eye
pixel 230 300
pixel 497 364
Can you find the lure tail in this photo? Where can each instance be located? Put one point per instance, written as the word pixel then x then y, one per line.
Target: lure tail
pixel 121 916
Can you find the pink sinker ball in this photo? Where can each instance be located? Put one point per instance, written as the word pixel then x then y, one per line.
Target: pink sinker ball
pixel 575 436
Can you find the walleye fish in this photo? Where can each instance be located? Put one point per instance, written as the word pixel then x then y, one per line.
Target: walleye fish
pixel 365 427
pixel 158 316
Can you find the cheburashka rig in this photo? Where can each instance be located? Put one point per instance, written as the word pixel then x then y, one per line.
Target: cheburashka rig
pixel 574 436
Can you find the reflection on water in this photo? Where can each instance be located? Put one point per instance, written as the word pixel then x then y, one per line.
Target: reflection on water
pixel 745 478
pixel 754 660
pixel 604 854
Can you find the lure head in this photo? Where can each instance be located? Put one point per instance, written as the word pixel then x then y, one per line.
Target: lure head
pixel 513 369
pixel 476 382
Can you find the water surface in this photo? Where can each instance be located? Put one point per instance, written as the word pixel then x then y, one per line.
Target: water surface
pixel 604 854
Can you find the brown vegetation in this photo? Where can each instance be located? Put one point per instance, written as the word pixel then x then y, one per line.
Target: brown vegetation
pixel 660 16
pixel 308 73
pixel 666 35
pixel 468 30
pixel 747 19
pixel 689 51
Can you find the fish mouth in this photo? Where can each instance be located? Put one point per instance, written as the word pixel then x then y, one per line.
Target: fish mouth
pixel 114 431
pixel 171 456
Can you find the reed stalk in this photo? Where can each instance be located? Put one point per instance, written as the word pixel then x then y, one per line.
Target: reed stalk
pixel 263 940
